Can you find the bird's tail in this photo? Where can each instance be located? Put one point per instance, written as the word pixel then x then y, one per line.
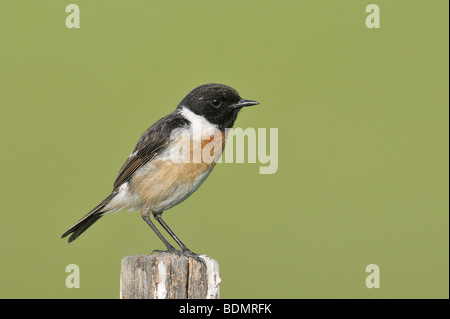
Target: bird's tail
pixel 90 218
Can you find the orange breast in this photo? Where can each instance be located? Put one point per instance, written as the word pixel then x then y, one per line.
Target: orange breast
pixel 162 183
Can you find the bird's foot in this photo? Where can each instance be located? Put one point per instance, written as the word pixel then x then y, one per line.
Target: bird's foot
pixel 170 250
pixel 187 253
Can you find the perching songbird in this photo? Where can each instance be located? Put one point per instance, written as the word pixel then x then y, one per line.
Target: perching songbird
pixel 155 177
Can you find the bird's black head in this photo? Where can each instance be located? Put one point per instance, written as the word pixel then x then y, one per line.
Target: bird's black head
pixel 217 103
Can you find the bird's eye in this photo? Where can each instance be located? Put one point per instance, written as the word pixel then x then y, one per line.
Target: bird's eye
pixel 216 102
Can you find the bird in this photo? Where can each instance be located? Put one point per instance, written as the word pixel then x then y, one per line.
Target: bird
pixel 165 166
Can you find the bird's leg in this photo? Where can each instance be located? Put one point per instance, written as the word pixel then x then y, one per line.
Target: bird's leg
pixel 185 251
pixel 171 233
pixel 146 216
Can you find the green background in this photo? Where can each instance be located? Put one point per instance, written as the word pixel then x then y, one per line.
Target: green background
pixel 362 116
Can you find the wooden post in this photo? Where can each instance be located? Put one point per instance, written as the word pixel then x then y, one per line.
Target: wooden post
pixel 169 276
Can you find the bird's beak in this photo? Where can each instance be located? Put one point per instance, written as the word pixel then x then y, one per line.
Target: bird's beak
pixel 244 103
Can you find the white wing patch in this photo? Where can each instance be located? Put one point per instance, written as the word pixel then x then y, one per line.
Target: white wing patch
pixel 133 154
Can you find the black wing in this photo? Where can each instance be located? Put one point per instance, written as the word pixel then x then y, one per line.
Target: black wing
pixel 154 139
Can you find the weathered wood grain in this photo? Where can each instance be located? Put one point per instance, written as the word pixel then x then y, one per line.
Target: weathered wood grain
pixel 169 276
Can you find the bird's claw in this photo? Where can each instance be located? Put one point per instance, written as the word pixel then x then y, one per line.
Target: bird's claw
pixel 190 254
pixel 185 253
pixel 169 251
